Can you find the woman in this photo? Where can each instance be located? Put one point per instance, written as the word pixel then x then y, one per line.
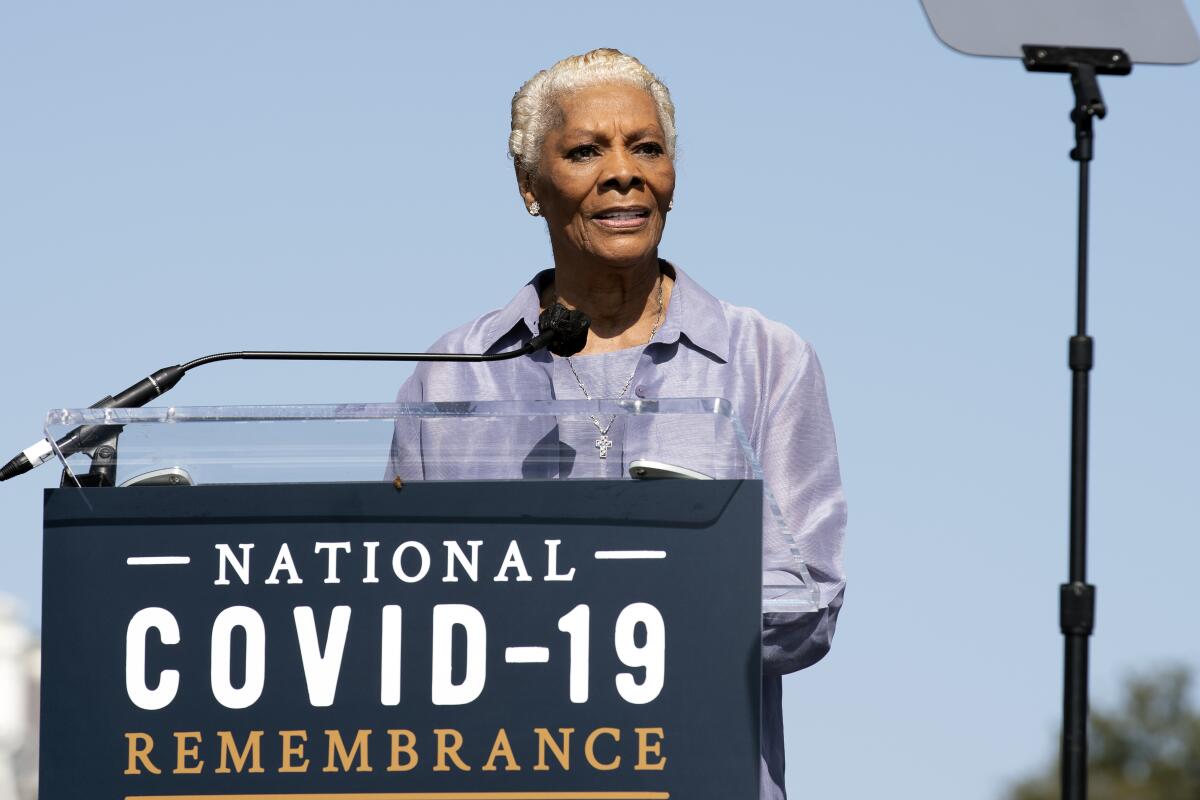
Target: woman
pixel 593 141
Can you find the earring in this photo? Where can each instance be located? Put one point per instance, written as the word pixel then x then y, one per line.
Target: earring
pixel 671 204
pixel 535 209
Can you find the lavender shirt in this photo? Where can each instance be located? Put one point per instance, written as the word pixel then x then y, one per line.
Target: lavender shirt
pixel 704 348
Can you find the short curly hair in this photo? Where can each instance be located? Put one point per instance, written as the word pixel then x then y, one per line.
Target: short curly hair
pixel 535 109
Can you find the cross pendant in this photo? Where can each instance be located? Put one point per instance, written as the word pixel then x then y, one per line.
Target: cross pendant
pixel 603 443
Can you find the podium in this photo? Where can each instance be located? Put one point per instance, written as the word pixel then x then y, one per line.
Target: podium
pixel 436 601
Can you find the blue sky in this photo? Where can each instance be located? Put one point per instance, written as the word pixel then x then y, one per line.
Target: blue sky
pixel 180 179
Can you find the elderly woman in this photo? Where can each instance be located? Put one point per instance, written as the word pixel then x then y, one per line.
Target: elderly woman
pixel 593 141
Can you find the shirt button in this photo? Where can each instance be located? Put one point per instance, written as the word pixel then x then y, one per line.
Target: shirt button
pixel 640 391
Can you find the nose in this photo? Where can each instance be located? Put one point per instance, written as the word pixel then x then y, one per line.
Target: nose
pixel 621 172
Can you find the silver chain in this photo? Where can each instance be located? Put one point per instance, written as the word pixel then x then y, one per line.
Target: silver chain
pixel 603 443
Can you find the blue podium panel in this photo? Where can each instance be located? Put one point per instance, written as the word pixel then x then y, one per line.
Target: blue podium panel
pixel 464 639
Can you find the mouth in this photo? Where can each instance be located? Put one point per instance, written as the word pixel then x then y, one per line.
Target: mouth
pixel 622 217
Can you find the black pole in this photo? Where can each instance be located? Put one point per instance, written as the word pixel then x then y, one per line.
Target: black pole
pixel 1077 597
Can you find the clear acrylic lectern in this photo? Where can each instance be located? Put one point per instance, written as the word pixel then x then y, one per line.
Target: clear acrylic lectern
pixel 492 440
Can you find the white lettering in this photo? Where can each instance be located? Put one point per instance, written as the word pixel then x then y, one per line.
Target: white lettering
pixel 225 557
pixel 331 549
pixel 445 617
pixel 398 562
pixel 454 552
pixel 649 655
pixel 283 561
pixel 256 667
pixel 389 666
pixel 575 624
pixel 135 659
pixel 552 573
pixel 513 560
pixel 321 670
pixel 371 548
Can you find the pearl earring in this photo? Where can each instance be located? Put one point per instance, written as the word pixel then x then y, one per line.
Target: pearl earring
pixel 535 209
pixel 671 204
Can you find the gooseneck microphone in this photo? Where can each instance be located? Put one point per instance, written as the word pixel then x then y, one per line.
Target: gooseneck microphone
pixel 562 331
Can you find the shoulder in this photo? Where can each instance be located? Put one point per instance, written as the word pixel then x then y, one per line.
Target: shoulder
pixel 500 327
pixel 769 350
pixel 784 393
pixel 752 332
pixel 470 337
pixel 739 335
pixel 496 330
pixel 773 372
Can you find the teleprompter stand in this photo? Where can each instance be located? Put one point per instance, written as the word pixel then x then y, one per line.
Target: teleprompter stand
pixel 1077 597
pixel 1148 32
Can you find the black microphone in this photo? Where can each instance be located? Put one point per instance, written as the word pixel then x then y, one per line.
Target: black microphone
pixel 560 330
pixel 565 330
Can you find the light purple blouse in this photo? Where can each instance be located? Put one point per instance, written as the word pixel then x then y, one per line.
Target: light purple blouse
pixel 704 348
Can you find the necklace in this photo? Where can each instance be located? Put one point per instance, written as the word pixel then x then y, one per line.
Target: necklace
pixel 603 443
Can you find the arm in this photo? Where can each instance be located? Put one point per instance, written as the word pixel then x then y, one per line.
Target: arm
pixel 798 452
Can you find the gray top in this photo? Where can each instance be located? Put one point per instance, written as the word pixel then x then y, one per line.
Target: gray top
pixel 704 348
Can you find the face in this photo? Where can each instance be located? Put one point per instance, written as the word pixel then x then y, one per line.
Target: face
pixel 605 178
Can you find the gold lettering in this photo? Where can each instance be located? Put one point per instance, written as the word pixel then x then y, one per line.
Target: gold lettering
pixel 589 749
pixel 183 752
pixel 501 749
pixel 408 749
pixel 291 749
pixel 140 745
pixel 230 751
pixel 646 747
pixel 358 748
pixel 561 752
pixel 451 750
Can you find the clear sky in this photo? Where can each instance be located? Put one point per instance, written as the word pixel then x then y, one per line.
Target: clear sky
pixel 183 178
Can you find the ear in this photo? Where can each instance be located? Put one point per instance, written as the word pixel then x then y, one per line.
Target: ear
pixel 525 186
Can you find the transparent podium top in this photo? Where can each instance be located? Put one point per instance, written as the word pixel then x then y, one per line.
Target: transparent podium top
pixel 692 438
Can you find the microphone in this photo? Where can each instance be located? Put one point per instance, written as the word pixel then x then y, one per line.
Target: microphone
pixel 562 331
pixel 136 395
pixel 565 330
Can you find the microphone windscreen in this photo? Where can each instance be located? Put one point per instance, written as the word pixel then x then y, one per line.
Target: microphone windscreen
pixel 570 329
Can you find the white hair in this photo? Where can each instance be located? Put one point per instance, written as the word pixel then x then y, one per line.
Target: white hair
pixel 535 108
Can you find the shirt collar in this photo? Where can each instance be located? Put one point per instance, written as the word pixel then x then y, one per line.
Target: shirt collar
pixel 693 314
pixel 696 315
pixel 525 309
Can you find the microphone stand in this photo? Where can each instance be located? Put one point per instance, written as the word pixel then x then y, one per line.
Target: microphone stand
pixel 1077 597
pixel 560 330
pixel 100 441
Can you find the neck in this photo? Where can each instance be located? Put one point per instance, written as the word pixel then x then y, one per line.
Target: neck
pixel 616 299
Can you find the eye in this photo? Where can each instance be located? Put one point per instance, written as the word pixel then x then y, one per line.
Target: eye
pixel 649 149
pixel 583 152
